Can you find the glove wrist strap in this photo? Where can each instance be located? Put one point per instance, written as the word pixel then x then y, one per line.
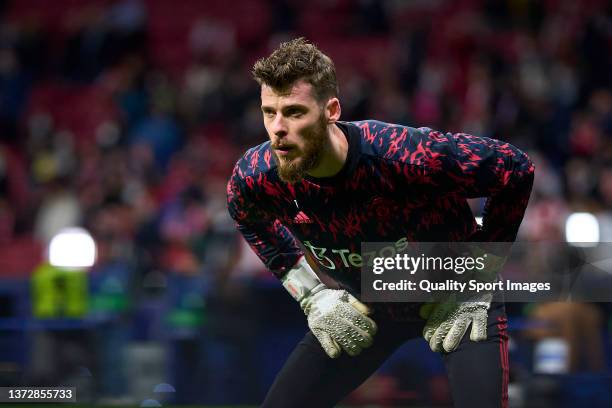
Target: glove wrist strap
pixel 483 300
pixel 301 281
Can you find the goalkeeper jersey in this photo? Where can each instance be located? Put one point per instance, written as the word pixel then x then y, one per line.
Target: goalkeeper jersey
pixel 398 184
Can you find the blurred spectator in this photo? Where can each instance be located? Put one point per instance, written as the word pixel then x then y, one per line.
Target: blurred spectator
pixel 59 209
pixel 14 85
pixel 579 326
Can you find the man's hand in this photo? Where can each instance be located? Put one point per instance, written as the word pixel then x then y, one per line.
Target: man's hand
pixel 339 321
pixel 449 321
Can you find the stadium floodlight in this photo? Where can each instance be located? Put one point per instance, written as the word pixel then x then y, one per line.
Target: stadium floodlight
pixel 72 248
pixel 582 229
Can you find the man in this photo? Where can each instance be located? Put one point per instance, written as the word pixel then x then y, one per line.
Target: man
pixel 324 186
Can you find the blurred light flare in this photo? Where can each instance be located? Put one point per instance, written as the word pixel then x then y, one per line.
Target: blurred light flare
pixel 72 248
pixel 582 229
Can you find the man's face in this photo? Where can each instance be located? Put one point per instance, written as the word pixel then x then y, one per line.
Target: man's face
pixel 297 128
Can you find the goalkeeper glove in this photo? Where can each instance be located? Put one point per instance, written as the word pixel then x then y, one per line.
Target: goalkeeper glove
pixel 450 320
pixel 337 319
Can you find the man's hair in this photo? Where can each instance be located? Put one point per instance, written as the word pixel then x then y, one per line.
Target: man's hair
pixel 294 60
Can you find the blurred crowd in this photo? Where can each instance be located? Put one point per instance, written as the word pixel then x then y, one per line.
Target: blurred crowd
pixel 126 116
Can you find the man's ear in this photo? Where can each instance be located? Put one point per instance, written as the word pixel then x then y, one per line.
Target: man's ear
pixel 333 110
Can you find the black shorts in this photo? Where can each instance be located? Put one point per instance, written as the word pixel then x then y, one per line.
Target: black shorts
pixel 477 372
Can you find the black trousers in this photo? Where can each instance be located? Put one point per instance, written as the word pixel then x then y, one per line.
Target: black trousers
pixel 477 372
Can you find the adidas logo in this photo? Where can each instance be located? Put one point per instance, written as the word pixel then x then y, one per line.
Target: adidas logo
pixel 301 218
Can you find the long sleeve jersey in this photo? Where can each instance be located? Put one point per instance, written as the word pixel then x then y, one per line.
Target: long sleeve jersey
pixel 399 184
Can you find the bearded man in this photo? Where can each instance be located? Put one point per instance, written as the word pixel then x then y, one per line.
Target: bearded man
pixel 324 186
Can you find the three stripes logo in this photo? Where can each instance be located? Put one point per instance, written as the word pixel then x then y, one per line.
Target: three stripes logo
pixel 300 217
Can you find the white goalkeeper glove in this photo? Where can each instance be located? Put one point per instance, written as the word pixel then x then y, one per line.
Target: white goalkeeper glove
pixel 449 321
pixel 337 319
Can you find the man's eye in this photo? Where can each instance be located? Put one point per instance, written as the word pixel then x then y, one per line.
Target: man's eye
pixel 268 114
pixel 296 114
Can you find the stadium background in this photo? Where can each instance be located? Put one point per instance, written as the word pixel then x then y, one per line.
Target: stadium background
pixel 125 117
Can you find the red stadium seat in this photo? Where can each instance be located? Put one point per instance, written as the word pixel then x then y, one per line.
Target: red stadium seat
pixel 79 109
pixel 20 257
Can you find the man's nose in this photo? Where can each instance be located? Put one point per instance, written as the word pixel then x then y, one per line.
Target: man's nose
pixel 279 126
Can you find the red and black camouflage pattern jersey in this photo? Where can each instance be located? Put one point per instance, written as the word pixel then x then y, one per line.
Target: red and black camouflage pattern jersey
pixel 398 184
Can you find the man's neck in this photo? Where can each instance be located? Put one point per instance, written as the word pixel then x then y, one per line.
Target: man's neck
pixel 334 155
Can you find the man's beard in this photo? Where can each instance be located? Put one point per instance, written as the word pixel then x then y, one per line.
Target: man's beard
pixel 315 138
